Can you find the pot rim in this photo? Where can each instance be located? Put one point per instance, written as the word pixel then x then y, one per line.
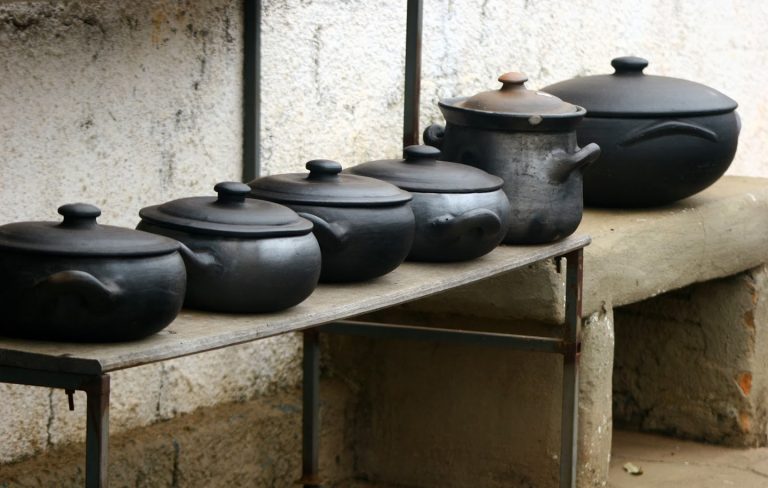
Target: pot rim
pixel 507 121
pixel 657 115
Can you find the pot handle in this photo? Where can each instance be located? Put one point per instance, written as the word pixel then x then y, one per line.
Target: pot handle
pixel 199 259
pixel 433 135
pixel 448 226
pixel 96 293
pixel 330 236
pixel 565 163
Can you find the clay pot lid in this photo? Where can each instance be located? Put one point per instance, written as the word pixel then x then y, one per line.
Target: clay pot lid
pixel 78 234
pixel 514 98
pixel 229 213
pixel 326 185
pixel 629 92
pixel 421 171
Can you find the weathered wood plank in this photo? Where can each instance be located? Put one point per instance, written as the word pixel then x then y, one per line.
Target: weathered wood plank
pixel 193 332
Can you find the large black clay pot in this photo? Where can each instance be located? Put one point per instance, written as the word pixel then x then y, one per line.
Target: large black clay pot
pixel 77 280
pixel 365 227
pixel 242 255
pixel 528 139
pixel 461 212
pixel 662 138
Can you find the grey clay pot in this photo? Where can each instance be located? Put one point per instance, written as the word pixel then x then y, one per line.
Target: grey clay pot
pixel 529 140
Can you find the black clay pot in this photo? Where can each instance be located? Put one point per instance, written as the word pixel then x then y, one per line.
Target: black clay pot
pixel 528 139
pixel 76 280
pixel 663 139
pixel 365 227
pixel 461 212
pixel 242 255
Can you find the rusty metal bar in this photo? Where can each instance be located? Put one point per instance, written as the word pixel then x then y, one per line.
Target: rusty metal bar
pixel 412 72
pixel 31 377
pixel 395 331
pixel 311 410
pixel 572 343
pixel 251 89
pixel 97 433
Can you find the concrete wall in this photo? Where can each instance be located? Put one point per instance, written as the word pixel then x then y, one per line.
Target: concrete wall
pixel 126 104
pixel 693 362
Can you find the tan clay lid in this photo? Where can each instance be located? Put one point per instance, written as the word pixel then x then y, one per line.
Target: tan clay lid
pixel 514 98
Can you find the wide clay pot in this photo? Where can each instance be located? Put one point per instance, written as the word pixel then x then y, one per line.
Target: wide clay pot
pixel 461 212
pixel 528 139
pixel 77 280
pixel 365 226
pixel 242 255
pixel 663 139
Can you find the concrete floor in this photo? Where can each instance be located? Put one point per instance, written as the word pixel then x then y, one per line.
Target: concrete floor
pixel 671 463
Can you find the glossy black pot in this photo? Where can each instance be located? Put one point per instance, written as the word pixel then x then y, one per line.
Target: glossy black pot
pixel 365 227
pixel 663 139
pixel 461 212
pixel 242 255
pixel 529 140
pixel 80 281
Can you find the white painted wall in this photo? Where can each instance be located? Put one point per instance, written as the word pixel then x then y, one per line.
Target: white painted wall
pixel 339 93
pixel 126 104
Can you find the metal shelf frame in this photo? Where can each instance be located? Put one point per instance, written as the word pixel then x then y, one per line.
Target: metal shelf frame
pixel 568 345
pixel 87 369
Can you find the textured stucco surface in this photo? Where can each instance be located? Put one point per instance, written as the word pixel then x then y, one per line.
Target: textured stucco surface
pixel 122 104
pixel 337 96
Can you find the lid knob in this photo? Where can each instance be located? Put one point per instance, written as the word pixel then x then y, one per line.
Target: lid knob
pixel 79 214
pixel 629 64
pixel 323 168
pixel 420 153
pixel 231 191
pixel 513 79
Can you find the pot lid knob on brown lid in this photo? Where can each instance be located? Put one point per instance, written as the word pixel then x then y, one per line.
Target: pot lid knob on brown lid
pixel 230 213
pixel 78 234
pixel 514 98
pixel 630 93
pixel 326 185
pixel 420 171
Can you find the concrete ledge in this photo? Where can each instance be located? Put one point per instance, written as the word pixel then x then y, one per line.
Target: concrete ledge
pixel 634 255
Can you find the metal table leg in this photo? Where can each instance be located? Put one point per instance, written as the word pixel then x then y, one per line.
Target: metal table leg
pixel 97 432
pixel 311 410
pixel 96 387
pixel 572 345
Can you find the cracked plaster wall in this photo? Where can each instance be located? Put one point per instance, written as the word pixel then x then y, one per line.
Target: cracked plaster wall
pixel 126 104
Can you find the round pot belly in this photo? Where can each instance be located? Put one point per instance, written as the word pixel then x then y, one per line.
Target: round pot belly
pixel 359 244
pixel 545 203
pixel 647 162
pixel 458 226
pixel 89 298
pixel 234 274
